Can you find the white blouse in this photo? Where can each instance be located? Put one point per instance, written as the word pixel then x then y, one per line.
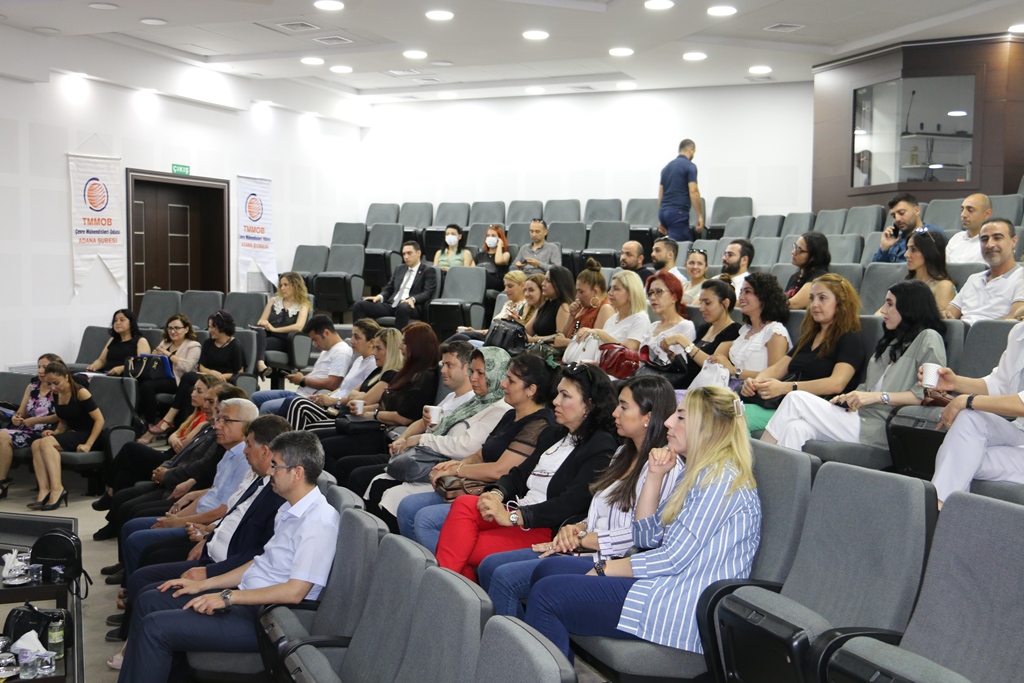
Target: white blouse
pixel 653 341
pixel 752 353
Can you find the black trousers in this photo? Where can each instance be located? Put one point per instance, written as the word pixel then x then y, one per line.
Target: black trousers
pixel 370 309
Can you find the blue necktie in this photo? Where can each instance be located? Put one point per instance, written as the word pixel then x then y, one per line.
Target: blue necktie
pixel 253 487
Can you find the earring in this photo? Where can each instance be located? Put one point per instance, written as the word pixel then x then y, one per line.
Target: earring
pixel 592 299
pixel 646 423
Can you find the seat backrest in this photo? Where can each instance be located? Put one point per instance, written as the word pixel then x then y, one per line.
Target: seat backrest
pixel 608 235
pixel 871 331
pixel 793 323
pixel 641 212
pixel 602 210
pixel 524 211
pixel 94 338
pixel 113 396
pixel 786 248
pixel 342 499
pixel 985 343
pixel 157 306
pixel 198 306
pixel 783 271
pixel 959 272
pixel 381 213
pixel 703 212
pixel 830 221
pixel 346 258
pixel 245 307
pixel 767 225
pixel 570 234
pixel 247 338
pixel 784 486
pixel 387 614
pixel 878 278
pixel 854 272
pixel 945 214
pixel 798 224
pixel 325 481
pixel 872 243
pixel 355 560
pixel 310 258
pixel 487 212
pixel 738 226
pixel 447 624
pixel 561 210
pixel 449 213
pixel 512 652
pixel 465 283
pixel 13 384
pixel 349 233
pixel 862 220
pixel 845 248
pixel 766 250
pixel 863 546
pixel 953 340
pixel 500 301
pixel 416 215
pixel 386 236
pixel 518 233
pixel 477 234
pixel 725 208
pixel 967 617
pixel 708 246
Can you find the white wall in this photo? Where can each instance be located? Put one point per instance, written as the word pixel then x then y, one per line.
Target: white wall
pixel 751 141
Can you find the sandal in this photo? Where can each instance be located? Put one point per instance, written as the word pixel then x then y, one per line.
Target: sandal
pixel 155 429
pixel 5 485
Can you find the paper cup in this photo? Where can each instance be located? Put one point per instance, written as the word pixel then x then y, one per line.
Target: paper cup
pixel 435 414
pixel 359 406
pixel 930 375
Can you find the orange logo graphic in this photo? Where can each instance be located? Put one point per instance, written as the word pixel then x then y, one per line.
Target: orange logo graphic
pixel 95 194
pixel 254 207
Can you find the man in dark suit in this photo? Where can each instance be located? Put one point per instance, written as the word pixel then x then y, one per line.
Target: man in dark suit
pixel 240 534
pixel 406 296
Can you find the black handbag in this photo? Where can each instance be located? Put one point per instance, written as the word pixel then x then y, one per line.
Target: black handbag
pixel 914 439
pixel 28 617
pixel 769 403
pixel 507 334
pixel 148 367
pixel 414 465
pixel 351 425
pixel 60 547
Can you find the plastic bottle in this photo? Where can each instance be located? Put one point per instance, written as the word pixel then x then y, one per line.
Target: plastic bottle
pixel 55 637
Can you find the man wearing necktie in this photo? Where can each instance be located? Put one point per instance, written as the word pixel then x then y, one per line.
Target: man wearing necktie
pixel 406 296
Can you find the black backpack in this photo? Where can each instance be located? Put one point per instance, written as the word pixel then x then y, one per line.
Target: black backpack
pixel 60 547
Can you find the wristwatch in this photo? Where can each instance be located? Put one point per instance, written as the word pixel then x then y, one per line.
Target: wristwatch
pixel 225 595
pixel 885 397
pixel 739 371
pixel 690 349
pixel 302 382
pixel 599 567
pixel 514 517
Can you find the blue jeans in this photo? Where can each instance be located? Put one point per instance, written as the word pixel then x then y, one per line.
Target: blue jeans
pixel 136 535
pixel 676 223
pixel 270 401
pixel 421 516
pixel 506 578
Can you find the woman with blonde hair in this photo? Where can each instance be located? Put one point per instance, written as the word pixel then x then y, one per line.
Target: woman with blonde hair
pixel 283 314
pixel 513 309
pixel 826 361
pixel 626 326
pixel 707 530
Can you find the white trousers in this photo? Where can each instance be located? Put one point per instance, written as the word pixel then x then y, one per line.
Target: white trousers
pixel 803 417
pixel 979 445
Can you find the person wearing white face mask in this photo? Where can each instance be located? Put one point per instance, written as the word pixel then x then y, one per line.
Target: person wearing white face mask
pixel 494 257
pixel 451 255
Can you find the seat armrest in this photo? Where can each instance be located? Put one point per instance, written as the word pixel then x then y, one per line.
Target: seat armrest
pixel 825 645
pixel 304 605
pixel 300 346
pixel 706 605
pixel 319 642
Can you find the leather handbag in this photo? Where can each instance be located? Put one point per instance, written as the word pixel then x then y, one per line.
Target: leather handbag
pixel 21 620
pixel 507 334
pixel 618 361
pixel 350 425
pixel 451 487
pixel 62 548
pixel 148 367
pixel 770 403
pixel 414 464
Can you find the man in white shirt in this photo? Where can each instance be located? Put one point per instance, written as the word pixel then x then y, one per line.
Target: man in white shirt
pixel 736 260
pixel 328 372
pixel 293 567
pixel 965 246
pixel 663 257
pixel 997 293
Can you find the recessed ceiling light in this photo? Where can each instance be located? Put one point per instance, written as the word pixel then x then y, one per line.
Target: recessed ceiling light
pixel 620 51
pixel 447 95
pixel 341 69
pixel 535 90
pixel 758 70
pixel 659 4
pixel 103 5
pixel 721 11
pixel 152 22
pixel 626 85
pixel 46 30
pixel 694 56
pixel 439 15
pixel 535 35
pixel 1016 28
pixel 956 112
pixel 414 54
pixel 312 61
pixel 329 5
pixel 441 64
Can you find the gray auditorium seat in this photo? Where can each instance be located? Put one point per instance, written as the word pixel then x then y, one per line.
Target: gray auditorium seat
pixel 198 306
pixel 157 306
pixel 830 221
pixel 872 243
pixel 861 220
pixel 309 259
pixel 1010 206
pixel 94 338
pixel 798 224
pixel 245 307
pixel 725 208
pixel 641 212
pixel 114 396
pixel 511 651
pixel 766 251
pixel 878 278
pixel 449 213
pixel 783 271
pixel 561 210
pixel 382 213
pixel 341 284
pixel 767 225
pixel 738 227
pixel 416 215
pixel 602 210
pixel 845 248
pixel 461 301
pixel 349 233
pixel 854 272
pixel 524 211
pixel 605 242
pixel 487 212
pixel 945 214
pixel 959 272
pixel 518 234
pixel 383 251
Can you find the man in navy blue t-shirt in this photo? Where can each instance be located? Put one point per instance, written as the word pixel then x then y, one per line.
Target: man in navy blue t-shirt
pixel 677 193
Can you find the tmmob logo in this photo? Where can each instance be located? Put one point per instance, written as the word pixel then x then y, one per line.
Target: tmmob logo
pixel 95 194
pixel 253 207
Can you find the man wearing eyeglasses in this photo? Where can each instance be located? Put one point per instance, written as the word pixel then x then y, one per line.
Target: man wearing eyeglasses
pixel 906 218
pixel 293 567
pixel 678 194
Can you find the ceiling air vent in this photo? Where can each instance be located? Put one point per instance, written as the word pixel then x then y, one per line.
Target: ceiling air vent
pixel 332 40
pixel 760 79
pixel 429 80
pixel 299 26
pixel 403 72
pixel 581 88
pixel 783 27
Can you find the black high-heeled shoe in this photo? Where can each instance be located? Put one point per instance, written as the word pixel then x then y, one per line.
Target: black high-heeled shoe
pixel 36 504
pixel 62 498
pixel 5 485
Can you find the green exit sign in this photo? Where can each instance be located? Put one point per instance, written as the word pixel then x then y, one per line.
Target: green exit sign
pixel 180 169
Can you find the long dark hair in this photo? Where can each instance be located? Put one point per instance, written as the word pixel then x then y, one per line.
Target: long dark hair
pixel 58 368
pixel 654 396
pixel 424 353
pixel 536 370
pixel 916 305
pixel 818 255
pixel 597 391
pixel 933 253
pixel 563 284
pixel 132 322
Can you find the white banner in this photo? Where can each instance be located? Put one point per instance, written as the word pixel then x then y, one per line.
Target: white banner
pixel 98 227
pixel 256 227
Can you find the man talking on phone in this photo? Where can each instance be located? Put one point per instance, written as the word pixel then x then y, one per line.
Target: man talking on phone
pixel 906 218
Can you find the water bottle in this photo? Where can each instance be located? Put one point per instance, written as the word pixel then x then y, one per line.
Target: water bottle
pixel 55 637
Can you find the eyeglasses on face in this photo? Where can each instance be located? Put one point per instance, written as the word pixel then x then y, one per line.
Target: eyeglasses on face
pixel 226 420
pixel 283 467
pixel 655 293
pixel 175 328
pixel 798 250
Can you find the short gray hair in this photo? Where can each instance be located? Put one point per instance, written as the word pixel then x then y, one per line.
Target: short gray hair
pixel 247 410
pixel 301 448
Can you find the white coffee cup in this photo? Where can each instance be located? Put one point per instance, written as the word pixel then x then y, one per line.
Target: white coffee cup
pixel 435 414
pixel 359 406
pixel 930 375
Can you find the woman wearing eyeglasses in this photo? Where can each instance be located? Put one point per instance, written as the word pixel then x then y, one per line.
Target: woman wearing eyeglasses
pixel 926 261
pixel 665 296
pixel 182 349
pixel 697 268
pixel 533 500
pixel 812 257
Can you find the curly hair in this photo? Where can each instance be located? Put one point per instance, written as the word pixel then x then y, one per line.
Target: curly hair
pixel 846 319
pixel 918 312
pixel 774 306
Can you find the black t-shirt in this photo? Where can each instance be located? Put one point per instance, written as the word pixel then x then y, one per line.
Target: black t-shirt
pixel 796 281
pixel 520 436
pixel 547 319
pixel 729 333
pixel 118 351
pixel 76 413
pixel 485 260
pixel 409 400
pixel 228 359
pixel 806 364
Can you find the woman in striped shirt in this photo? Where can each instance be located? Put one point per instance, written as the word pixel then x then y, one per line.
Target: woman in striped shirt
pixel 707 530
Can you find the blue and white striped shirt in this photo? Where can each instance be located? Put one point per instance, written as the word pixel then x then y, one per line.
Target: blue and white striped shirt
pixel 714 537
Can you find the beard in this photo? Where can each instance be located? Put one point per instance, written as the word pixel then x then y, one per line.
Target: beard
pixel 731 268
pixel 659 265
